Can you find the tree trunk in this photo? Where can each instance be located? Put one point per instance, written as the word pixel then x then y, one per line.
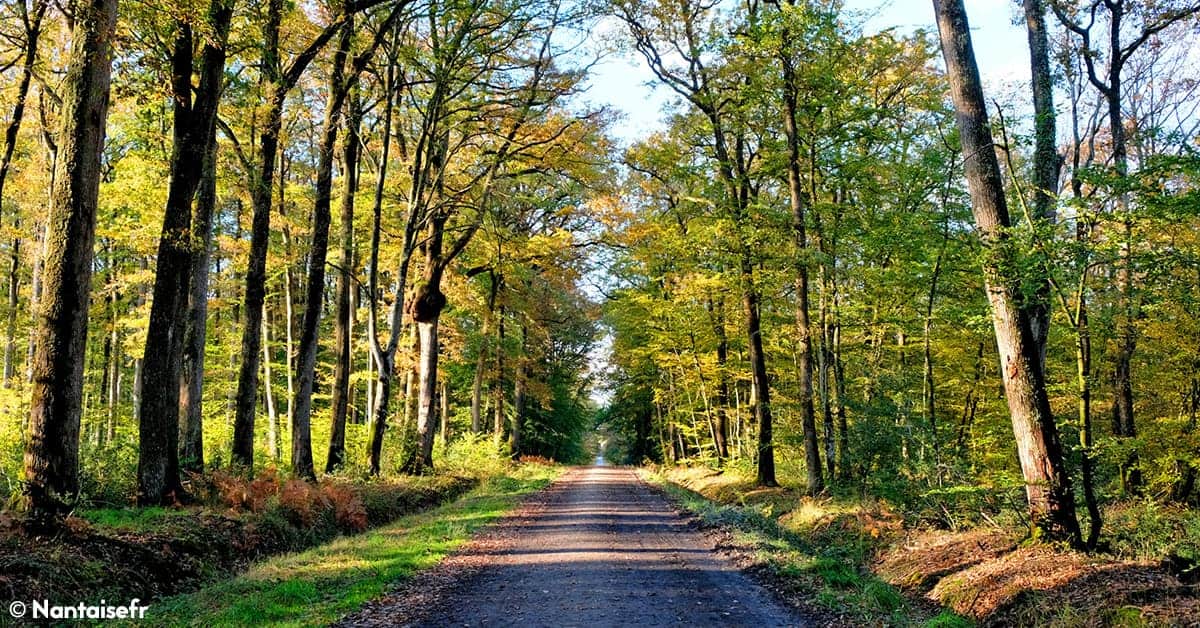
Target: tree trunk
pixel 290 290
pixel 306 362
pixel 970 403
pixel 61 324
pixel 716 312
pixel 427 331
pixel 274 438
pixel 191 387
pixel 410 385
pixel 343 361
pixel 758 370
pixel 260 231
pixel 113 385
pixel 840 388
pixel 516 436
pixel 812 456
pixel 14 297
pixel 1047 163
pixel 1083 368
pixel 1131 474
pixel 444 420
pixel 477 386
pixel 369 393
pixel 425 309
pixel 928 388
pixel 1047 484
pixel 498 382
pixel 825 368
pixel 379 422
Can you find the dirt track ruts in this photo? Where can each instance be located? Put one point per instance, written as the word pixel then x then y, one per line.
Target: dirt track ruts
pixel 596 548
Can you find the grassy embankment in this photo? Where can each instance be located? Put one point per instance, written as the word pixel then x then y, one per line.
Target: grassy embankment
pixel 320 585
pixel 155 553
pixel 856 562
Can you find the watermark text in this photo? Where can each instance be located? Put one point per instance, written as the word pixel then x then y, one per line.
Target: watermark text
pixel 43 609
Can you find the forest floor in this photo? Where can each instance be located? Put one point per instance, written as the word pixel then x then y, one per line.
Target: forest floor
pixel 600 547
pixel 859 564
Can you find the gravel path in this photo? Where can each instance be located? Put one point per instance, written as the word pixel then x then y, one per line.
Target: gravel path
pixel 597 548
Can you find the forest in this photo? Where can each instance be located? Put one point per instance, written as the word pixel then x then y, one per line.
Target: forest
pixel 845 271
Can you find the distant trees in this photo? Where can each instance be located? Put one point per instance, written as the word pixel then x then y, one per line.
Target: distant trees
pixel 850 160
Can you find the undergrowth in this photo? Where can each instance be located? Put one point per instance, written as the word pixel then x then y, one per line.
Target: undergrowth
pixel 818 553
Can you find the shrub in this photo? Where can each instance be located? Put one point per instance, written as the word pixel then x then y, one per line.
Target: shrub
pixel 348 509
pixel 1147 529
pixel 302 502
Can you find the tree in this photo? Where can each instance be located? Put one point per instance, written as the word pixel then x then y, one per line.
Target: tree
pixel 194 129
pixel 796 197
pixel 277 80
pixel 1047 484
pixel 343 363
pixel 52 452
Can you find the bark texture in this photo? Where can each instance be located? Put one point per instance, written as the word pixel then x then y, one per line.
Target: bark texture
pixel 61 321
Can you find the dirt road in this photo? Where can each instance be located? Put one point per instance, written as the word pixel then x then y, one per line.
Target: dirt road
pixel 597 548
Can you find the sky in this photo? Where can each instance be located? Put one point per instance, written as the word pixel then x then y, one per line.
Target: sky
pixel 624 83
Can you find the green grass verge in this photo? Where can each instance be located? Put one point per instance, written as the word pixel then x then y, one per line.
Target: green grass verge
pixel 322 584
pixel 831 569
pixel 131 519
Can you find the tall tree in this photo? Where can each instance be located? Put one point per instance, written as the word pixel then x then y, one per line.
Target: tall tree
pixel 302 458
pixel 344 357
pixel 191 384
pixel 61 325
pixel 797 198
pixel 1047 483
pixel 194 127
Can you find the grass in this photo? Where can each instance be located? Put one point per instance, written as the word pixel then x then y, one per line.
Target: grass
pixel 320 585
pixel 131 519
pixel 827 567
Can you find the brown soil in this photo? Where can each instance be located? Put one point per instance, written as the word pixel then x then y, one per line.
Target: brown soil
pixel 599 547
